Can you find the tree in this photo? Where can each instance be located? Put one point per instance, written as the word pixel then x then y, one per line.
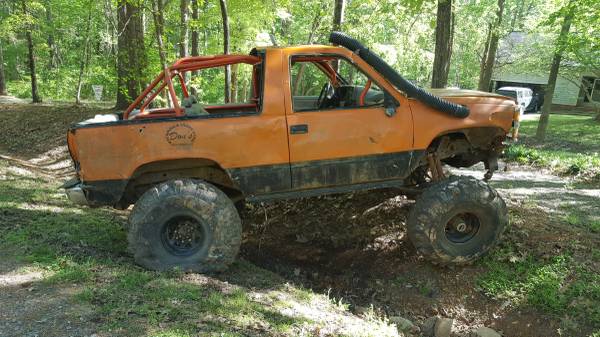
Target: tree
pixel 31 57
pixel 489 55
pixel 86 53
pixel 184 30
pixel 131 56
pixel 568 11
pixel 338 20
pixel 195 33
pixel 3 91
pixel 159 23
pixel 52 46
pixel 225 19
pixel 338 14
pixel 444 34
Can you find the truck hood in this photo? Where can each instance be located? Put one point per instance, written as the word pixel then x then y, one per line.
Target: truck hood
pixel 462 93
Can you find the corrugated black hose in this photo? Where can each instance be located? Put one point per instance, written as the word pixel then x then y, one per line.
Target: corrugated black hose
pixel 396 79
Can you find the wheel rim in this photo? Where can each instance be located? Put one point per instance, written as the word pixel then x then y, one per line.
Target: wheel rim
pixel 462 228
pixel 183 235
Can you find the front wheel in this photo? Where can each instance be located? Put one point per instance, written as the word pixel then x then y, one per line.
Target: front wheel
pixel 457 220
pixel 186 224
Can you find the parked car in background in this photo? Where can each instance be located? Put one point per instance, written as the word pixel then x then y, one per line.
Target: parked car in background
pixel 525 98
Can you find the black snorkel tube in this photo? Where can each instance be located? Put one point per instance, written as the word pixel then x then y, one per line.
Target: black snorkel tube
pixel 396 79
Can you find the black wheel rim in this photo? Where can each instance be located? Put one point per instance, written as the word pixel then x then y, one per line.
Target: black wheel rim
pixel 183 235
pixel 462 228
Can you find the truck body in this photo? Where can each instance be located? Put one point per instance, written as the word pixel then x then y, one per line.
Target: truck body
pixel 308 120
pixel 265 149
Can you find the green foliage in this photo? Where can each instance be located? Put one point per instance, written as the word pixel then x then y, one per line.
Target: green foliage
pixel 571 146
pixel 559 286
pixel 402 31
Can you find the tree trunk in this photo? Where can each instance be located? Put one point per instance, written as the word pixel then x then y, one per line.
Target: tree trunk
pixel 444 32
pixel 131 56
pixel 85 59
pixel 489 58
pixel 3 91
pixel 159 22
pixel 52 48
pixel 195 33
pixel 226 50
pixel 31 57
pixel 184 35
pixel 338 14
pixel 564 32
pixel 158 16
pixel 338 20
pixel 234 83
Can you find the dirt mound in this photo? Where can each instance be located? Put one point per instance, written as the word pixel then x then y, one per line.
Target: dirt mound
pixel 31 129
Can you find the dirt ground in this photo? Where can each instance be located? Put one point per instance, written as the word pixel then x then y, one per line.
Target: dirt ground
pixel 352 246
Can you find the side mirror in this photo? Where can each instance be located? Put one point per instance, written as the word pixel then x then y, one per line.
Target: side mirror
pixel 390 104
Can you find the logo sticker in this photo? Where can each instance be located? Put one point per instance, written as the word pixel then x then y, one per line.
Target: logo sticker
pixel 180 134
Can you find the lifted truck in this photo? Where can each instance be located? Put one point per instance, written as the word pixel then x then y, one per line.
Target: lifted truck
pixel 316 120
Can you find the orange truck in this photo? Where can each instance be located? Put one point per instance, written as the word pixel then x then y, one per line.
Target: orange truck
pixel 309 120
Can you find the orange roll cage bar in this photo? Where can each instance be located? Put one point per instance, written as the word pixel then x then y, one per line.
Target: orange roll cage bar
pixel 178 68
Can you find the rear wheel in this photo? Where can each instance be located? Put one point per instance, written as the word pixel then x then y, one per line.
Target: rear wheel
pixel 457 220
pixel 185 224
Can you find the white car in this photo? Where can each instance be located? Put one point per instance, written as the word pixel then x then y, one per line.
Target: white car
pixel 522 95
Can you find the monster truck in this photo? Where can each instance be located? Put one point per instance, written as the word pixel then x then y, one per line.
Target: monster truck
pixel 295 122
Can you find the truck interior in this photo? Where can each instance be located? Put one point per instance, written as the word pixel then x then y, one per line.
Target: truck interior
pixel 322 82
pixel 189 79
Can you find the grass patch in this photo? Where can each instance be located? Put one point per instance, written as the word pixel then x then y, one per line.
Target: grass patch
pixel 558 286
pixel 571 146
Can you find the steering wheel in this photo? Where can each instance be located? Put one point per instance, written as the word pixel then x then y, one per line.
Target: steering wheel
pixel 326 92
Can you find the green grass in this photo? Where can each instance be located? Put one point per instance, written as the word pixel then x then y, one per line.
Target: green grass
pixel 86 248
pixel 571 147
pixel 559 286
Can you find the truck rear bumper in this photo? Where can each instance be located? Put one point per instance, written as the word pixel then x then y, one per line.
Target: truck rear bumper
pixel 94 193
pixel 74 191
pixel 76 195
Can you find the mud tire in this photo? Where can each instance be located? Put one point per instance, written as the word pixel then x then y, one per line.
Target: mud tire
pixel 215 218
pixel 438 206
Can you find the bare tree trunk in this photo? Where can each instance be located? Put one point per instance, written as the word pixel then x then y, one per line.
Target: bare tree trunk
pixel 34 87
pixel 3 91
pixel 234 83
pixel 53 60
pixel 131 59
pixel 443 44
pixel 338 14
pixel 226 50
pixel 545 116
pixel 338 20
pixel 489 58
pixel 184 35
pixel 86 55
pixel 158 16
pixel 159 23
pixel 195 33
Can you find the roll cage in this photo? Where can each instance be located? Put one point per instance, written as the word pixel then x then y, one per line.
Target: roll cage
pixel 178 69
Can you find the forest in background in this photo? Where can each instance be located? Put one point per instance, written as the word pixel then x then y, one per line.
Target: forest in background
pixel 58 49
